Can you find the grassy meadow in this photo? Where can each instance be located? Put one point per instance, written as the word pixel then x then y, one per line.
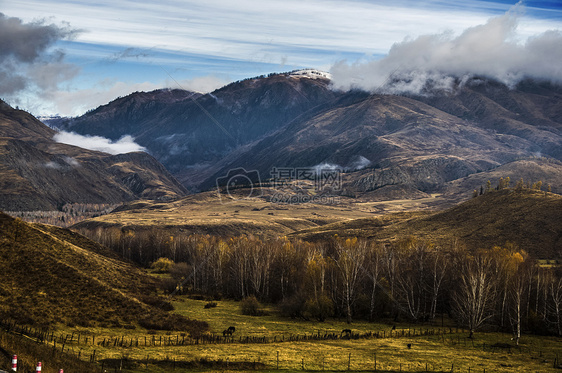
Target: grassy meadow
pixel 436 353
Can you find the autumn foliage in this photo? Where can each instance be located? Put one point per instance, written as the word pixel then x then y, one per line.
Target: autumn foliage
pixel 413 279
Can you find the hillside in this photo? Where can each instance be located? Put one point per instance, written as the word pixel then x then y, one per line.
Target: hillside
pixel 52 276
pixel 219 215
pixel 528 218
pixel 36 173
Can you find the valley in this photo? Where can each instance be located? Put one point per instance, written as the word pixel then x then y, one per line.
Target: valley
pixel 280 186
pixel 291 212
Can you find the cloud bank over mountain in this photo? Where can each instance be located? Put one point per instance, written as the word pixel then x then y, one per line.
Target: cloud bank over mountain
pixel 491 50
pixel 125 144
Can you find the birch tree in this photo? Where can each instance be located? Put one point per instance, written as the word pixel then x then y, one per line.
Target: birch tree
pixel 350 255
pixel 474 295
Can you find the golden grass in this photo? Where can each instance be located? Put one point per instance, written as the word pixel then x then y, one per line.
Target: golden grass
pixel 211 213
pixel 439 352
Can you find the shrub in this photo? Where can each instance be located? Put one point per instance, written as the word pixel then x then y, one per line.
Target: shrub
pixel 293 307
pixel 319 309
pixel 251 306
pixel 162 265
pixel 169 285
pixel 157 302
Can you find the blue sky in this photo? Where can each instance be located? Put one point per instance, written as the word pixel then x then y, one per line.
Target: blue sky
pixel 118 47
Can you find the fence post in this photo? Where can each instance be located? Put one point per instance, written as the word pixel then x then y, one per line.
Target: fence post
pixel 349 362
pixel 375 361
pixel 15 363
pixel 277 360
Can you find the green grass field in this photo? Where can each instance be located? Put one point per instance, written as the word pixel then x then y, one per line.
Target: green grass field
pixel 439 353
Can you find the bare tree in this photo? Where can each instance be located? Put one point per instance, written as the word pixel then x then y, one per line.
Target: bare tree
pixel 438 266
pixel 411 277
pixel 349 261
pixel 373 267
pixel 390 264
pixel 555 306
pixel 518 285
pixel 260 258
pixel 475 290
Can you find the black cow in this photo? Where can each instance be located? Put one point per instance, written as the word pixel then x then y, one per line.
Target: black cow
pixel 229 331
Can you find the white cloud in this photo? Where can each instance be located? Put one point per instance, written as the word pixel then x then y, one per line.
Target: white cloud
pixel 77 102
pixel 54 165
pixel 359 164
pixel 325 166
pixel 126 144
pixel 58 166
pixel 203 84
pixel 493 49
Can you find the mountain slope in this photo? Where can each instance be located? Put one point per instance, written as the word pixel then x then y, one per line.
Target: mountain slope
pixel 39 174
pixel 189 134
pixel 50 275
pixel 528 218
pixel 404 140
pixel 418 142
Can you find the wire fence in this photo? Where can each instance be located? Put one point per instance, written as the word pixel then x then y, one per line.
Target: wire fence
pixel 269 359
pixel 184 339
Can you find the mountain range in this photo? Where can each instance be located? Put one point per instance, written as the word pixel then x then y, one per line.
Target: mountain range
pixel 417 144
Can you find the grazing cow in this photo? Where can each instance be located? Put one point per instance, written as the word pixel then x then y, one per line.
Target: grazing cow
pixel 409 345
pixel 229 331
pixel 346 333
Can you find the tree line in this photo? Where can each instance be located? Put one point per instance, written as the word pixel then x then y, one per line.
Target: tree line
pixel 413 279
pixel 66 215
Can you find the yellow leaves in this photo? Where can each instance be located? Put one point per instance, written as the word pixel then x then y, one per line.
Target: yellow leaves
pixel 288 247
pixel 348 243
pixel 517 257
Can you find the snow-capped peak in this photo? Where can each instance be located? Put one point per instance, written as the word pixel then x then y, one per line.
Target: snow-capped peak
pixel 311 73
